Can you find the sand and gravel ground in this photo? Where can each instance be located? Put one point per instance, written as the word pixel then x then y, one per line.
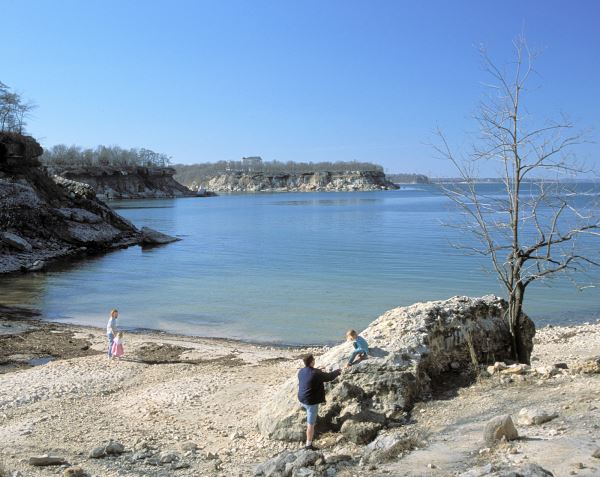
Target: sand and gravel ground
pixel 174 393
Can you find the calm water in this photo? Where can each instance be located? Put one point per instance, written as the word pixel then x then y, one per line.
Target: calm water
pixel 291 268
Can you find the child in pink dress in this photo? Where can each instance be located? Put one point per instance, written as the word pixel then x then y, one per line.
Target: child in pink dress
pixel 117 347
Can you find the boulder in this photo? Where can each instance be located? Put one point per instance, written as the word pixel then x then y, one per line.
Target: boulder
pixel 388 446
pixel 409 346
pixel 499 427
pixel 45 460
pixel 360 432
pixel 534 417
pixel 15 241
pixel 153 237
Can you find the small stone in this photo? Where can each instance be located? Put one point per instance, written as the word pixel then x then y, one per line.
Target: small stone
pixel 499 427
pixel 335 459
pixel 74 471
pixel 497 367
pixel 114 448
pixel 534 417
pixel 516 369
pixel 478 471
pixel 236 435
pixel 587 366
pixel 45 460
pixel 547 371
pixel 187 446
pixel 168 457
pixel 596 453
pixel 97 453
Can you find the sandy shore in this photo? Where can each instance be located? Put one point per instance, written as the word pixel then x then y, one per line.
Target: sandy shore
pixel 191 403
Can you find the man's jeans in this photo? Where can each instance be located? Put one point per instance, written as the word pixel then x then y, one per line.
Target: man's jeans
pixel 111 338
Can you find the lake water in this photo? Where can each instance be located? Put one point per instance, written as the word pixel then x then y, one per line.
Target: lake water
pixel 286 268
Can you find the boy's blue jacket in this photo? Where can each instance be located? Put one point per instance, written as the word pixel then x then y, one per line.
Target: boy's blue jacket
pixel 310 384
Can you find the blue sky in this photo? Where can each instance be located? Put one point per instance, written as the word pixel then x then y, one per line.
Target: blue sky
pixel 288 80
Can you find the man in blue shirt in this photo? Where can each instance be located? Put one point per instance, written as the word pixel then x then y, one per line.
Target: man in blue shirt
pixel 311 393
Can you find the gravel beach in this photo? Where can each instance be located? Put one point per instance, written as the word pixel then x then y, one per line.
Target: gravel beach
pixel 178 405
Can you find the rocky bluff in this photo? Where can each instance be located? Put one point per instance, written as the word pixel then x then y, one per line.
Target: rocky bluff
pixel 45 218
pixel 410 348
pixel 130 182
pixel 296 182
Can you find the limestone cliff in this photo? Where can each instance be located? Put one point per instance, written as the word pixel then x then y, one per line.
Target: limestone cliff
pixel 44 218
pixel 131 182
pixel 296 182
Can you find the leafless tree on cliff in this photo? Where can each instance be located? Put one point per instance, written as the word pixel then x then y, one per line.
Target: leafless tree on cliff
pixel 14 111
pixel 540 226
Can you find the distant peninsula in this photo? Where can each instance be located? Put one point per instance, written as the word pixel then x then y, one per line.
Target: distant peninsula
pixel 402 178
pixel 252 174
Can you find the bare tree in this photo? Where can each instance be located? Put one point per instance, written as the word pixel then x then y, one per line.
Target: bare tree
pixel 540 225
pixel 14 111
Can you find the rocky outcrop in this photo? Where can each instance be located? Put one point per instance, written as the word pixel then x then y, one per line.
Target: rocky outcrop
pixel 44 218
pixel 296 182
pixel 127 182
pixel 153 237
pixel 409 348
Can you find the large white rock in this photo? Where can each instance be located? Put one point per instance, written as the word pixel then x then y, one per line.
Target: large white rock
pixel 409 347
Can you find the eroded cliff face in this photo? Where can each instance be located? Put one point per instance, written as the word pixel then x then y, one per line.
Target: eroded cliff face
pixel 127 182
pixel 300 182
pixel 43 218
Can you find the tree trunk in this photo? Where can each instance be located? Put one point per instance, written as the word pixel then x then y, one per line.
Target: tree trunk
pixel 515 310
